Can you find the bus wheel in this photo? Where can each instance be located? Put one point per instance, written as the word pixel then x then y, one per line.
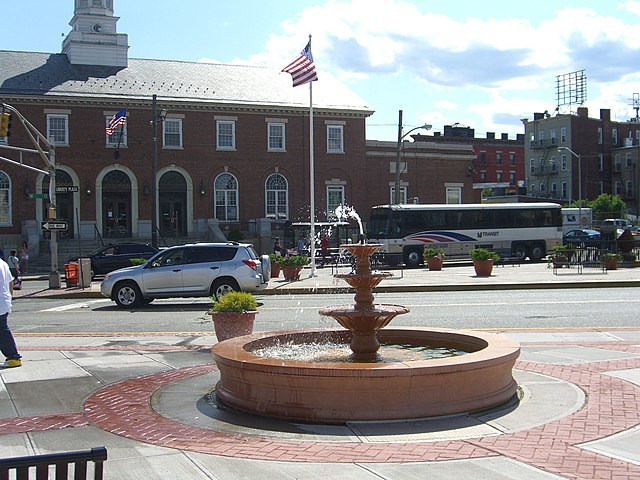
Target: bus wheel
pixel 520 251
pixel 537 252
pixel 413 258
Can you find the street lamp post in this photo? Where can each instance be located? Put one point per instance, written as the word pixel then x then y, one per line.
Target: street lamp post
pixel 396 196
pixel 154 169
pixel 579 181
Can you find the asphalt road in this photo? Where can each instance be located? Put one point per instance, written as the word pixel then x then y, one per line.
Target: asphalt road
pixel 501 309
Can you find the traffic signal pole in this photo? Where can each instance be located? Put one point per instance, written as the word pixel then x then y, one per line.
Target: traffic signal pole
pixel 47 152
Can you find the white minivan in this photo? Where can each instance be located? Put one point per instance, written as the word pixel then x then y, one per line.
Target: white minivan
pixel 616 223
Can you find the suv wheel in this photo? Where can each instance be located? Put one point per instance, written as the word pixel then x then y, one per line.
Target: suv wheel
pixel 127 295
pixel 222 286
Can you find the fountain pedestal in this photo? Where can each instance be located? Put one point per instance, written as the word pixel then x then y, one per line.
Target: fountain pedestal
pixel 364 319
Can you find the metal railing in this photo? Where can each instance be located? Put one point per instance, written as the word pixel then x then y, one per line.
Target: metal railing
pixel 23 466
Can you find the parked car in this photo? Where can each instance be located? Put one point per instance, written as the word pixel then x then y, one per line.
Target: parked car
pixel 195 270
pixel 581 237
pixel 114 257
pixel 611 224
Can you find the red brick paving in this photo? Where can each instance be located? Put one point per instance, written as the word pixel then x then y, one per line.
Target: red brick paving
pixel 612 405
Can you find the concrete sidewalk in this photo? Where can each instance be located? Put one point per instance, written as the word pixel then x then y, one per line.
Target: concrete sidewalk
pixel 146 398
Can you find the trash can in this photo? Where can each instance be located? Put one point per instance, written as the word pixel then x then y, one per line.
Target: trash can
pixel 85 272
pixel 71 274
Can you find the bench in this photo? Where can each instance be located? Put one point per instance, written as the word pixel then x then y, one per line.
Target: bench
pixel 60 461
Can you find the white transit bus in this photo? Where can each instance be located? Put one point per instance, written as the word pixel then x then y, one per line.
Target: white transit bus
pixel 513 229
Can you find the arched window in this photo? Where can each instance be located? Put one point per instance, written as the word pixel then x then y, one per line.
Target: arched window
pixel 226 197
pixel 277 197
pixel 5 199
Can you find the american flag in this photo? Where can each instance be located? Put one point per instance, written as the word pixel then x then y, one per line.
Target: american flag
pixel 302 69
pixel 119 119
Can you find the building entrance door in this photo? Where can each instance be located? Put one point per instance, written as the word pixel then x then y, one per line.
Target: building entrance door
pixel 173 213
pixel 116 221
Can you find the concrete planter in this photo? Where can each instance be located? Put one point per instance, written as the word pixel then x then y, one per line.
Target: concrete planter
pixel 483 268
pixel 232 324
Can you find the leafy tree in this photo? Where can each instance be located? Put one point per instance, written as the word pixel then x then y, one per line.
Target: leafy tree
pixel 606 206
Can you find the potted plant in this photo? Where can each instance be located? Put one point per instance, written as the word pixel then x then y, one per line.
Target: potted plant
pixel 233 314
pixel 292 266
pixel 610 260
pixel 483 261
pixel 434 258
pixel 561 255
pixel 275 259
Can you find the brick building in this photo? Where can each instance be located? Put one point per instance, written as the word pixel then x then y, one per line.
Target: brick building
pixel 573 156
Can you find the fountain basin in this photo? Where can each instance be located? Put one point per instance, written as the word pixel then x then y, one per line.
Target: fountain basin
pixel 332 392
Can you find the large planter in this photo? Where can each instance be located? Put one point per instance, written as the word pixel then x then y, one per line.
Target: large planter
pixel 435 263
pixel 232 324
pixel 291 272
pixel 275 270
pixel 483 268
pixel 611 263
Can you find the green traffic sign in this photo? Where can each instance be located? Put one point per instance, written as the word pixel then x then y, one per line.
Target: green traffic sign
pixel 38 195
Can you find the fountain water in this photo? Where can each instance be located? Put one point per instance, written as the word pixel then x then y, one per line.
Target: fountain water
pixel 366 389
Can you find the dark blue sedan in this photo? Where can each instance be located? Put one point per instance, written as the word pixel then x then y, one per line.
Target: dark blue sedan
pixel 581 237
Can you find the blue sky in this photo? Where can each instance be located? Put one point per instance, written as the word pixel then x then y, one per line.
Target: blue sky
pixel 481 64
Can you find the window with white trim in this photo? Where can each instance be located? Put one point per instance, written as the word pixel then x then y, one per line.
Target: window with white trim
pixel 335 139
pixel 600 162
pixel 225 191
pixel 226 134
pixel 498 158
pixel 563 162
pixel 335 198
pixel 5 199
pixel 276 137
pixel 563 134
pixel 453 195
pixel 392 194
pixel 618 188
pixel 172 133
pixel 58 129
pixel 629 188
pixel 599 135
pixel 277 197
pixel 565 189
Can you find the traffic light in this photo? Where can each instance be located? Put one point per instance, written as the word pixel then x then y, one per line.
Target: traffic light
pixel 5 124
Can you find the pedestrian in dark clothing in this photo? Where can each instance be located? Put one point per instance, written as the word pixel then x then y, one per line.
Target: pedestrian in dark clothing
pixel 7 343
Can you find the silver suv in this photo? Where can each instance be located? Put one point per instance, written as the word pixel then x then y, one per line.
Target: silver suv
pixel 195 270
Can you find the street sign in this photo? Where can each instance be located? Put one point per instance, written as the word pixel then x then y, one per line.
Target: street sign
pixel 38 195
pixel 65 189
pixel 54 225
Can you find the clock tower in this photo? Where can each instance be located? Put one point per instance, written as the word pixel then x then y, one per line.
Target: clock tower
pixel 93 39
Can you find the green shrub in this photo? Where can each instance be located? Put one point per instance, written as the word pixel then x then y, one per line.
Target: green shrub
pixel 433 252
pixel 235 302
pixel 137 261
pixel 483 254
pixel 294 261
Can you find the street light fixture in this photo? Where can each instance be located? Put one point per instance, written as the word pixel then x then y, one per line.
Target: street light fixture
pixel 426 126
pixel 157 117
pixel 579 180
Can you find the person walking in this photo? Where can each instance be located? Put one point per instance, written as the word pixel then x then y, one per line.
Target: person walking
pixel 14 264
pixel 7 343
pixel 24 258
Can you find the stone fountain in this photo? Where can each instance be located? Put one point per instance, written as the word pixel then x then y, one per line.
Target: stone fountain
pixel 366 386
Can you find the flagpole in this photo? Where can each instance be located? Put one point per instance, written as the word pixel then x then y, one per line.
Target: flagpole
pixel 312 195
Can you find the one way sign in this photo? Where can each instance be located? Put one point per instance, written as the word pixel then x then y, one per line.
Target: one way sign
pixel 54 225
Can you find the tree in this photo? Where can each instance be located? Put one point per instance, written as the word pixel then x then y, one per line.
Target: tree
pixel 607 206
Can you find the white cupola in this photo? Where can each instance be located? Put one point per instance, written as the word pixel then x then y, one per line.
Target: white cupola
pixel 93 39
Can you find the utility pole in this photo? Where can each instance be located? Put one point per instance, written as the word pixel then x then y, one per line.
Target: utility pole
pixel 48 154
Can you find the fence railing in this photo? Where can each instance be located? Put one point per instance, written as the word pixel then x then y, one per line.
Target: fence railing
pixel 59 462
